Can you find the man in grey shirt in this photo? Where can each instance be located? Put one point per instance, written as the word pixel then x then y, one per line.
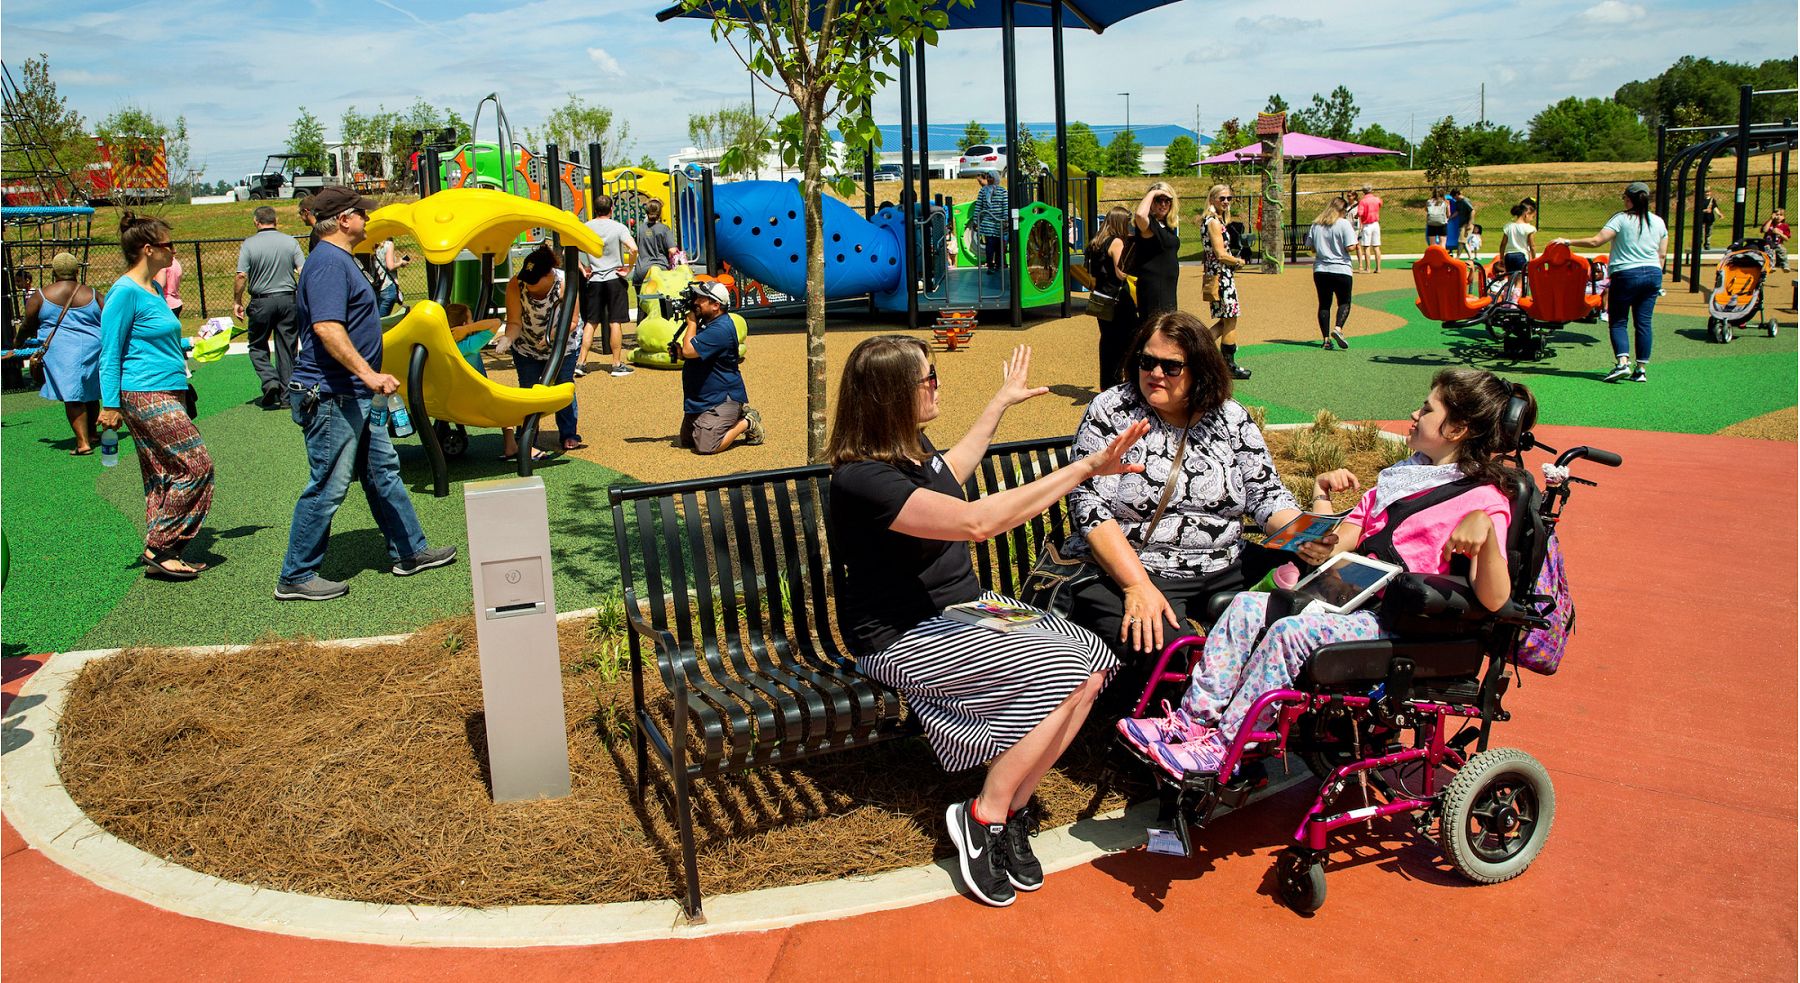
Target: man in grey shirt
pixel 268 264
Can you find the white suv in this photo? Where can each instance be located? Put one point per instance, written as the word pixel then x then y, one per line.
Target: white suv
pixel 982 157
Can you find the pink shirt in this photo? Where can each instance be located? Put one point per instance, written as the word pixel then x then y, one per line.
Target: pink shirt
pixel 1370 209
pixel 170 279
pixel 1420 542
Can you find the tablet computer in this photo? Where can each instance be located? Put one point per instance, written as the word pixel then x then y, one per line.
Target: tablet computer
pixel 1345 582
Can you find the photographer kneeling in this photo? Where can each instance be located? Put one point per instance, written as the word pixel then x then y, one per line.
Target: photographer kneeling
pixel 715 410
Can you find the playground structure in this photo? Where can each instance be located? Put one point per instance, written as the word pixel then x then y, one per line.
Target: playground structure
pixel 662 306
pixel 1564 289
pixel 1744 140
pixel 437 383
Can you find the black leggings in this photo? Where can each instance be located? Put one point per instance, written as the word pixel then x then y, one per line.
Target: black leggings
pixel 1329 285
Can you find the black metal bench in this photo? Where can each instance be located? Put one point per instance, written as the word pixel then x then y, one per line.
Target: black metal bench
pixel 729 580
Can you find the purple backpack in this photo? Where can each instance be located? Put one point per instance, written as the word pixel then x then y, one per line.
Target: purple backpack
pixel 1542 649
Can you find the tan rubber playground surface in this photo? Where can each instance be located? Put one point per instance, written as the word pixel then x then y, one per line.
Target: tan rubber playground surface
pixel 1669 734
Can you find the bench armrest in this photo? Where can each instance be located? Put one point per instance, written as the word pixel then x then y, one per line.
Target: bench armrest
pixel 667 650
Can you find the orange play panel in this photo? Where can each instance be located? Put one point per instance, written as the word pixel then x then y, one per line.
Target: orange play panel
pixel 1673 852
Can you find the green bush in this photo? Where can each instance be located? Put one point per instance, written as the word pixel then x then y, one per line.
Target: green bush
pixel 1325 422
pixel 1318 451
pixel 1365 436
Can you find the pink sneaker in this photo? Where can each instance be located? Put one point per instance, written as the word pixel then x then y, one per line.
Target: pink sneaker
pixel 1173 727
pixel 1188 757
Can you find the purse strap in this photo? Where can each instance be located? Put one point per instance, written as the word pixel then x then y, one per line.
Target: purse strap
pixel 53 328
pixel 1168 486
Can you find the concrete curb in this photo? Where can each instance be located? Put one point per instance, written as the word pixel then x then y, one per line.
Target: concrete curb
pixel 34 800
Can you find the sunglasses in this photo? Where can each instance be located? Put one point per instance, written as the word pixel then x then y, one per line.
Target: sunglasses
pixel 931 379
pixel 165 244
pixel 1171 367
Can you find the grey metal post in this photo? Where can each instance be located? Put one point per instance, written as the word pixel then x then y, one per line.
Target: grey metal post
pixel 1743 163
pixel 909 263
pixel 1012 269
pixel 1062 145
pixel 1662 184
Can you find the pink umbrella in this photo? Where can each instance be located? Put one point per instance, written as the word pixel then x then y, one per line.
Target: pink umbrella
pixel 1300 146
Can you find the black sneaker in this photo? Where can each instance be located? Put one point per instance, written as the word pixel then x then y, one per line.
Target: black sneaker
pixel 981 853
pixel 1022 867
pixel 1640 375
pixel 1239 372
pixel 1338 336
pixel 271 398
pixel 425 559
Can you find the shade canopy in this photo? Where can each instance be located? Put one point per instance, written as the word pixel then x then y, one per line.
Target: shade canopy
pixel 1091 15
pixel 1301 146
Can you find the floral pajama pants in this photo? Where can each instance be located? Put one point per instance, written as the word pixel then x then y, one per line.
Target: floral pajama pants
pixel 1233 673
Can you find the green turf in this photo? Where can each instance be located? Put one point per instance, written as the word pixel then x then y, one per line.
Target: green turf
pixel 74 585
pixel 1696 386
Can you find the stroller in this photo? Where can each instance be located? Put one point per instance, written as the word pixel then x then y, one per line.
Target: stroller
pixel 1737 294
pixel 1390 722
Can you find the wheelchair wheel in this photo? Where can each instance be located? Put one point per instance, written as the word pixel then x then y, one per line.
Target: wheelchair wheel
pixel 1300 880
pixel 1497 814
pixel 455 441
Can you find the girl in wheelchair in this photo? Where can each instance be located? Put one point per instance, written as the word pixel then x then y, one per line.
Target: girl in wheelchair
pixel 1457 438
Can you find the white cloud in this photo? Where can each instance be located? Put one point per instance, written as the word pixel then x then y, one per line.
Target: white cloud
pixel 1613 12
pixel 607 63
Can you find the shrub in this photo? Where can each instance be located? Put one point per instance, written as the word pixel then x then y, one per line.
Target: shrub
pixel 1318 451
pixel 1259 415
pixel 1365 436
pixel 1326 422
pixel 1301 486
pixel 1393 452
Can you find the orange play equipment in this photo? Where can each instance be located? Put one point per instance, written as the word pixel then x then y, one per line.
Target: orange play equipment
pixel 1443 284
pixel 1559 287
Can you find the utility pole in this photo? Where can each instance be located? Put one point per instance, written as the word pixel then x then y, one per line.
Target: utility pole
pixel 1409 139
pixel 1127 96
pixel 1484 104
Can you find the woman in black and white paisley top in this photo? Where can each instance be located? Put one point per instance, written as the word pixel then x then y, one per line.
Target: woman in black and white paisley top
pixel 1154 578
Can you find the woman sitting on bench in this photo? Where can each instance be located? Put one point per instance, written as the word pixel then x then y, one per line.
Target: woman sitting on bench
pixel 1010 700
pixel 1456 437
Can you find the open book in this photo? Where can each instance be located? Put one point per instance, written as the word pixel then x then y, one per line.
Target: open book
pixel 1305 528
pixel 996 615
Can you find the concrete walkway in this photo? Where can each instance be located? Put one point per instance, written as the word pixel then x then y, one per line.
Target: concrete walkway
pixel 1673 852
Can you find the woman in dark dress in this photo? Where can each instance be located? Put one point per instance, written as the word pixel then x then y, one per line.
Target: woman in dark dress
pixel 1155 254
pixel 1010 700
pixel 1106 258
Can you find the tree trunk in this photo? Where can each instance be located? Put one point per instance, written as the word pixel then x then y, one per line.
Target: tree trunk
pixel 812 192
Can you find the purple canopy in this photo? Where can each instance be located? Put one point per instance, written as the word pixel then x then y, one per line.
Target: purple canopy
pixel 1300 146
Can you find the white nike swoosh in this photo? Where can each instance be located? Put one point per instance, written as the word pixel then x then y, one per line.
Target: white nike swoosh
pixel 976 854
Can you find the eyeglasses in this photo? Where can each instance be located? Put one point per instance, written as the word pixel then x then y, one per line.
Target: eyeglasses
pixel 931 379
pixel 1225 198
pixel 165 244
pixel 1171 367
pixel 358 212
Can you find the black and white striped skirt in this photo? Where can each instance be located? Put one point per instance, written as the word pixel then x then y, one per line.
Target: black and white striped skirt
pixel 978 691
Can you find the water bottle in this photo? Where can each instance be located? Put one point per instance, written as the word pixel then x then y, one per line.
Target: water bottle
pixel 378 412
pixel 402 420
pixel 109 448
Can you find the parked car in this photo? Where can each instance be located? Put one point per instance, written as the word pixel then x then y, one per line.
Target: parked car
pixel 888 172
pixel 982 157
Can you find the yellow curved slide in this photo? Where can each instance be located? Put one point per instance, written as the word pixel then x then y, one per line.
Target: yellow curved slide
pixel 454 391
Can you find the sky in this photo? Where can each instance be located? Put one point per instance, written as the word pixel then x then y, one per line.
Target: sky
pixel 239 69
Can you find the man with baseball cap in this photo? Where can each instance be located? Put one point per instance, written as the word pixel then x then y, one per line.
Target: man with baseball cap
pixel 715 414
pixel 336 376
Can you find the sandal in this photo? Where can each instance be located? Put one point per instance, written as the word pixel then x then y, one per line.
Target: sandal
pixel 537 454
pixel 160 570
pixel 81 452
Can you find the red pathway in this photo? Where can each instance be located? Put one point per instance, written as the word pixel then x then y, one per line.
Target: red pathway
pixel 1670 735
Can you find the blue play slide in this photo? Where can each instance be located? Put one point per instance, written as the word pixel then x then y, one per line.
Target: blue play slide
pixel 762 233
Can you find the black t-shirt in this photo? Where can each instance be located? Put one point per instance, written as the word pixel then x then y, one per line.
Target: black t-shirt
pixel 1155 261
pixel 1460 209
pixel 895 580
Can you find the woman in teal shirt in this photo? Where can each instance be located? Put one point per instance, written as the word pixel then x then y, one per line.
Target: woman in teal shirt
pixel 1640 241
pixel 143 379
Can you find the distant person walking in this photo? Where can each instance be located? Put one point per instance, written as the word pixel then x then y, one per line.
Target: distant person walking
pixel 387 264
pixel 1519 244
pixel 268 266
pixel 1107 256
pixel 1331 241
pixel 533 298
pixel 143 383
pixel 336 378
pixel 1368 238
pixel 65 318
pixel 993 217
pixel 1221 269
pixel 1709 213
pixel 655 244
pixel 604 295
pixel 1437 217
pixel 1640 243
pixel 1462 213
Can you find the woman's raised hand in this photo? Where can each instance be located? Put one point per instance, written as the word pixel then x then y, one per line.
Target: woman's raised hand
pixel 1013 387
pixel 1111 460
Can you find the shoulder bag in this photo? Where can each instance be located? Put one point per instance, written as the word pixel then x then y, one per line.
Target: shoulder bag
pixel 1055 579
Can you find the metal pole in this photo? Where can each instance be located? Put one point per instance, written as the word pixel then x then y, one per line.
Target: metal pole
pixel 553 179
pixel 909 263
pixel 709 225
pixel 1009 58
pixel 1293 234
pixel 1662 183
pixel 596 175
pixel 200 277
pixel 1062 144
pixel 1698 242
pixel 1743 163
pixel 431 176
pixel 924 161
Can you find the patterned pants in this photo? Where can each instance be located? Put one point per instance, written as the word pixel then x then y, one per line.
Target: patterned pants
pixel 1232 675
pixel 178 473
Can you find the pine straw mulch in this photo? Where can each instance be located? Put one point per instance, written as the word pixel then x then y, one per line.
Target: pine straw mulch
pixel 359 773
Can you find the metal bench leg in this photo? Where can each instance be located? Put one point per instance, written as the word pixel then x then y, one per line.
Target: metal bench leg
pixel 684 812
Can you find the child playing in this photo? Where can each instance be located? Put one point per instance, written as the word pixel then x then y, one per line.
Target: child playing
pixel 1456 437
pixel 1471 243
pixel 1520 246
pixel 471 337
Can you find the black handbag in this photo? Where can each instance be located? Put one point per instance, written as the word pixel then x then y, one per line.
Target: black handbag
pixel 1055 579
pixel 1102 306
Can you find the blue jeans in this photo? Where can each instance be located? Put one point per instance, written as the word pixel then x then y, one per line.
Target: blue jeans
pixel 340 445
pixel 531 372
pixel 1632 294
pixel 387 299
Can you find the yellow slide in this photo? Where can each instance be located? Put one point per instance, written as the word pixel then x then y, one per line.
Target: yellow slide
pixel 454 391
